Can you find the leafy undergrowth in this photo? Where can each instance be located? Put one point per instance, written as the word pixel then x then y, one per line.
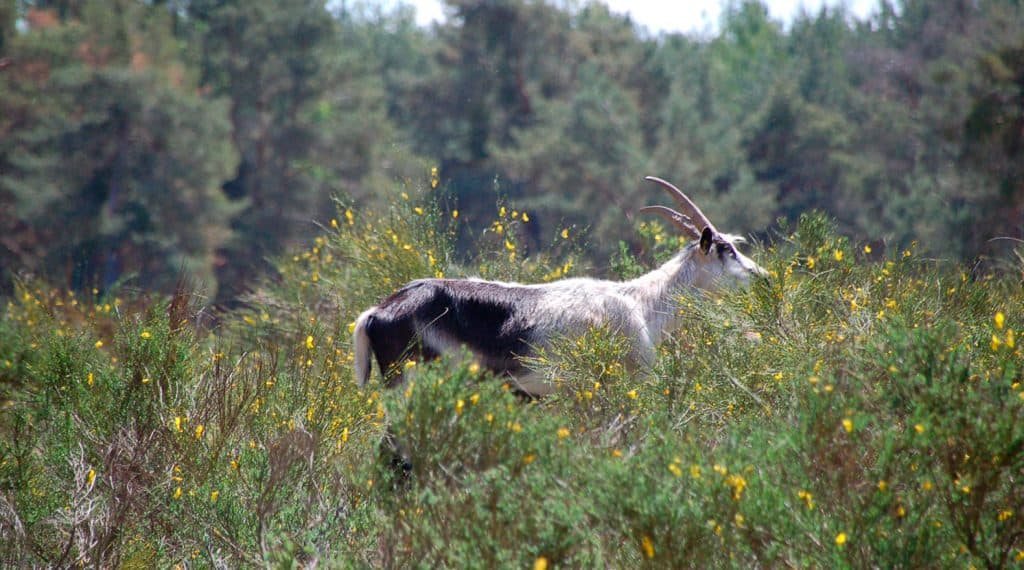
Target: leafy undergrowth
pixel 857 409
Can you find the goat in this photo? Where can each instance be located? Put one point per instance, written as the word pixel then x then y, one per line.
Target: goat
pixel 501 323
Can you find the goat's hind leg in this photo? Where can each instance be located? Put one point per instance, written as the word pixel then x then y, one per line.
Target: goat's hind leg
pixel 394 459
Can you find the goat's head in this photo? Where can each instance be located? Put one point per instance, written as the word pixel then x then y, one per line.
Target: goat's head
pixel 718 258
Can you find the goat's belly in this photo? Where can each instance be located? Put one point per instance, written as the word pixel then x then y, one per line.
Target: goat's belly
pixel 532 383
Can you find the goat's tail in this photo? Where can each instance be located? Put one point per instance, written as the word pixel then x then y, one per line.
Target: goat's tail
pixel 362 349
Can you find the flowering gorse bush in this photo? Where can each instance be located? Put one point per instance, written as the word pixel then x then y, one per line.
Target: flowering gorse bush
pixel 858 408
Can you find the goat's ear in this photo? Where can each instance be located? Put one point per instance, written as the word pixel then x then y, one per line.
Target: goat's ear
pixel 706 237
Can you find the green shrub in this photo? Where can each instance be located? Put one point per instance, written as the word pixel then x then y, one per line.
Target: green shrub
pixel 857 409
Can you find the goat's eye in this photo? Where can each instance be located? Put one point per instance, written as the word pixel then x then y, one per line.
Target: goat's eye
pixel 724 248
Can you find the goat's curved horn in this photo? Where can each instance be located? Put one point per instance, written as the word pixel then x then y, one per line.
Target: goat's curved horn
pixel 681 221
pixel 685 204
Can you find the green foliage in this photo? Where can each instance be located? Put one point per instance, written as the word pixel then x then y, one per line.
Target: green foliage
pixel 101 172
pixel 854 409
pixel 307 118
pixel 143 140
pixel 862 407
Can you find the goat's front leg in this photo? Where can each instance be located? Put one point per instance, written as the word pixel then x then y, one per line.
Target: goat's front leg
pixel 642 355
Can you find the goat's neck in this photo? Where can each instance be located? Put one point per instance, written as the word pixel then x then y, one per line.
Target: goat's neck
pixel 656 292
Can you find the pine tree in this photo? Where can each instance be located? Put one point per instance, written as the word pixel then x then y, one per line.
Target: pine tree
pixel 98 144
pixel 306 115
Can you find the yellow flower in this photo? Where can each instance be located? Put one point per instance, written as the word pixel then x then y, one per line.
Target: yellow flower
pixel 927 485
pixel 459 405
pixel 919 428
pixel 510 246
pixel 1000 318
pixel 563 433
pixel 867 249
pixel 540 563
pixel 807 498
pixel 632 394
pixel 199 431
pixel 214 495
pixel 526 218
pixel 309 342
pixel 810 262
pixel 848 425
pixel 474 399
pixel 455 214
pixel 674 468
pixel 145 335
pixel 529 458
pixel 501 212
pixel 90 477
pixel 1011 342
pixel 350 217
pixel 418 210
pixel 89 379
pixel 738 484
pixel 841 539
pixel 695 471
pixel 177 423
pixel 883 485
pixel 334 223
pixel 177 493
pixel 99 344
pixel 648 545
pixel 838 254
pixel 565 233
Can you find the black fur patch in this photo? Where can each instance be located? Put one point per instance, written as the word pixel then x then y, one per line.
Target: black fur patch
pixel 489 318
pixel 724 248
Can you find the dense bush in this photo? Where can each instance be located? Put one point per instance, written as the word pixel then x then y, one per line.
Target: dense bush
pixel 859 408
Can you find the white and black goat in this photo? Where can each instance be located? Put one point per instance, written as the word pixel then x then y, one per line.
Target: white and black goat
pixel 500 323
